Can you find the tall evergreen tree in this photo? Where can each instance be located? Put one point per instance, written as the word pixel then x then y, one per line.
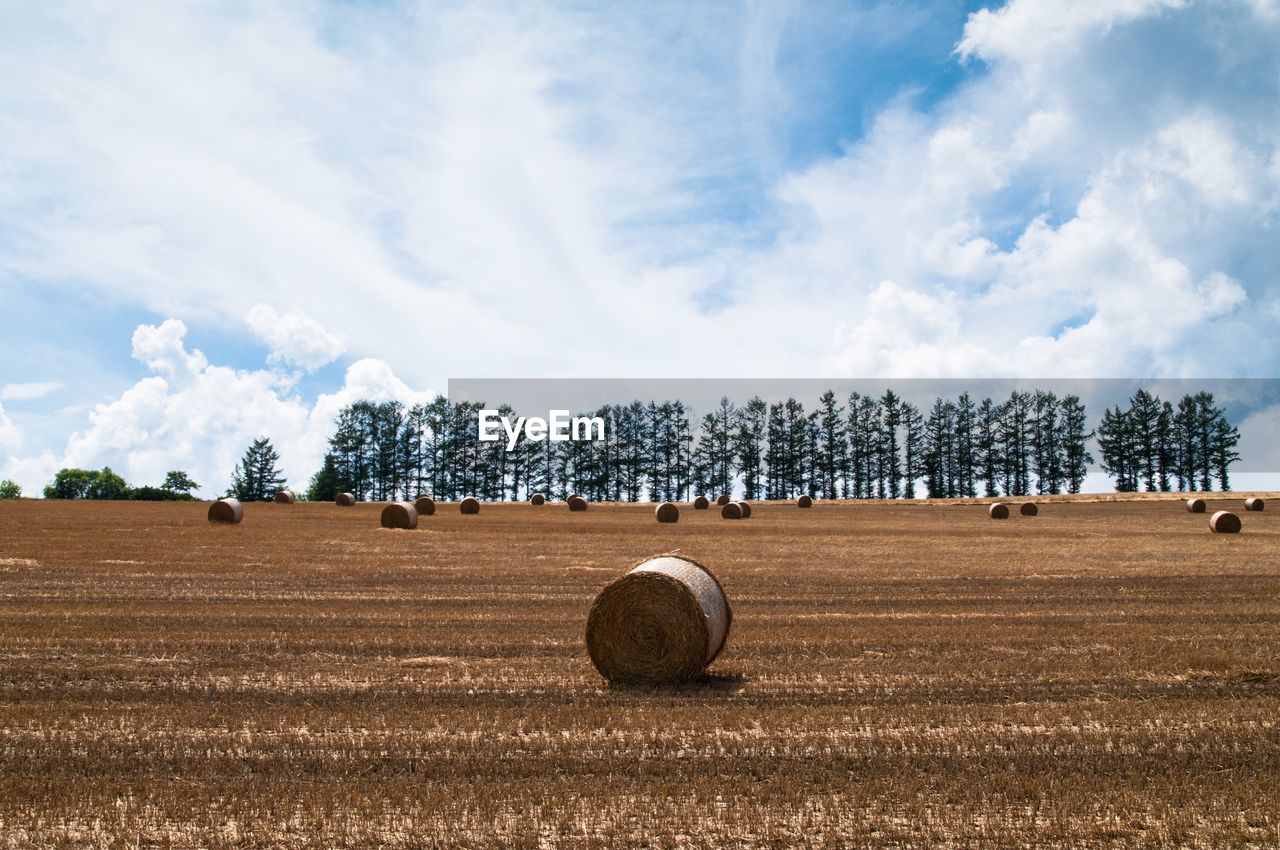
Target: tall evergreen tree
pixel 257 477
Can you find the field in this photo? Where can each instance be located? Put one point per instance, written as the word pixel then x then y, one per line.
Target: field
pixel 1106 674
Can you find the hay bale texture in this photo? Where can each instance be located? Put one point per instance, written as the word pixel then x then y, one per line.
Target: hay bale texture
pixel 284 497
pixel 537 499
pixel 469 505
pixel 662 622
pixel 733 510
pixel 804 502
pixel 746 509
pixel 226 510
pixel 999 510
pixel 1029 509
pixel 667 512
pixel 577 503
pixel 1196 506
pixel 399 515
pixel 424 505
pixel 1225 522
pixel 344 500
pixel 723 499
pixel 701 503
pixel 1253 503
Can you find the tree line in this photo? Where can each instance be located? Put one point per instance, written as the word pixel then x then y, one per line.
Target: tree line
pixel 857 447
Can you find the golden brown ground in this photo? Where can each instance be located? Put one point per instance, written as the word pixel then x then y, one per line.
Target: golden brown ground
pixel 1105 674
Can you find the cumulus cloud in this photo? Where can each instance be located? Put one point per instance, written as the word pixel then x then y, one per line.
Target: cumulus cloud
pixel 10 434
pixel 294 337
pixel 200 417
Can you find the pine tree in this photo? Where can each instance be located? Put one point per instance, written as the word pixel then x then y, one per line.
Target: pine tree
pixel 989 459
pixel 1074 441
pixel 749 446
pixel 324 484
pixel 257 477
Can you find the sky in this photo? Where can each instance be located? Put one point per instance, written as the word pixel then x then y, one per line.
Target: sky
pixel 220 221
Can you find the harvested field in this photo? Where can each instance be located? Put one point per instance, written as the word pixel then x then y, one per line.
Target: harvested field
pixel 897 675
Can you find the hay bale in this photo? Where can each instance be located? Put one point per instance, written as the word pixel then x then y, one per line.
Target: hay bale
pixel 424 505
pixel 664 621
pixel 284 497
pixel 1196 506
pixel 400 515
pixel 537 499
pixel 1225 522
pixel 345 500
pixel 667 512
pixel 746 510
pixel 733 510
pixel 999 510
pixel 469 505
pixel 1029 509
pixel 226 510
pixel 1253 503
pixel 577 503
pixel 723 499
pixel 701 503
pixel 804 502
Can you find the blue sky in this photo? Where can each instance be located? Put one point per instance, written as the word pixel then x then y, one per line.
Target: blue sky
pixel 220 221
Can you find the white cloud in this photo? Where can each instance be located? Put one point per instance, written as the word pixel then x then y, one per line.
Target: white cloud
pixel 461 191
pixel 29 391
pixel 295 337
pixel 200 417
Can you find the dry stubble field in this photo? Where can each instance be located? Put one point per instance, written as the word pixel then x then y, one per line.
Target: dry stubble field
pixel 1105 674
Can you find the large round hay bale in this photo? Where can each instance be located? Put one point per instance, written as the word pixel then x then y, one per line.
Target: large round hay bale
pixel 664 621
pixel 804 502
pixel 425 505
pixel 667 512
pixel 1196 506
pixel 226 510
pixel 733 510
pixel 1029 509
pixel 399 515
pixel 537 499
pixel 723 499
pixel 1225 522
pixel 999 510
pixel 701 503
pixel 469 505
pixel 345 500
pixel 577 503
pixel 746 510
pixel 1253 503
pixel 284 497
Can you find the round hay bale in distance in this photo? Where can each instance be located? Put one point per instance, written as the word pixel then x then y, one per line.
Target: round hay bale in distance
pixel 1029 509
pixel 284 497
pixel 1196 506
pixel 399 515
pixel 746 509
pixel 424 505
pixel 662 622
pixel 1225 522
pixel 804 502
pixel 1253 503
pixel 344 500
pixel 733 510
pixel 701 503
pixel 999 510
pixel 723 499
pixel 469 505
pixel 537 499
pixel 226 510
pixel 667 512
pixel 577 503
